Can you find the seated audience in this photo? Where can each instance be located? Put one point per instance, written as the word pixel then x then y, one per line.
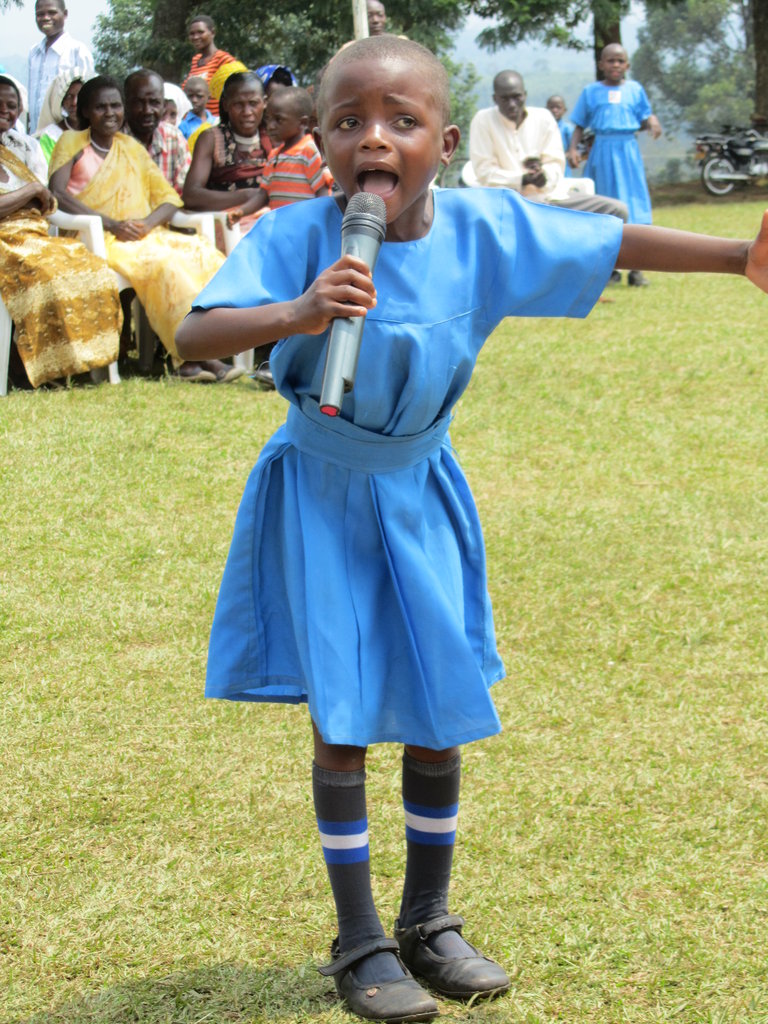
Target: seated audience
pixel 100 169
pixel 515 146
pixel 60 107
pixel 295 170
pixel 197 93
pixel 62 299
pixel 144 103
pixel 208 58
pixel 228 161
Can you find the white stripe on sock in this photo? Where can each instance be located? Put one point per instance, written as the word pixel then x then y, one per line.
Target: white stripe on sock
pixel 422 824
pixel 344 842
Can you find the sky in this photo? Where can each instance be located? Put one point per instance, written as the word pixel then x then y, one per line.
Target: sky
pixel 19 31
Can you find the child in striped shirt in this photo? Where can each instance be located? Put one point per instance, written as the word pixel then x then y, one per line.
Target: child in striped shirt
pixel 295 170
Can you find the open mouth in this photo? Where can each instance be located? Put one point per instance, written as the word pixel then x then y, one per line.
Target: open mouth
pixel 381 183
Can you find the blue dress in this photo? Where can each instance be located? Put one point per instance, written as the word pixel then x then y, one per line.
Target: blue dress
pixel 615 164
pixel 356 576
pixel 566 134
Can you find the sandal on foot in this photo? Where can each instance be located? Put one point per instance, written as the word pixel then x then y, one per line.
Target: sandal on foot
pixel 263 376
pixel 391 1001
pixel 195 376
pixel 459 977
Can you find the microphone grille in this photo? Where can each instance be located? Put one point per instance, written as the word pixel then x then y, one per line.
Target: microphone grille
pixel 367 202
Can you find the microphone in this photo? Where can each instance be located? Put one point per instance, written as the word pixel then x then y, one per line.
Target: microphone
pixel 362 232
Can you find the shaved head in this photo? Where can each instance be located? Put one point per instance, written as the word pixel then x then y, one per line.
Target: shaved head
pixel 385 49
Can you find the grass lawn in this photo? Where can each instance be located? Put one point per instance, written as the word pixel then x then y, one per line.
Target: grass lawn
pixel 158 856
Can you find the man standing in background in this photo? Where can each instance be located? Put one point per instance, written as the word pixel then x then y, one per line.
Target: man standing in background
pixel 57 52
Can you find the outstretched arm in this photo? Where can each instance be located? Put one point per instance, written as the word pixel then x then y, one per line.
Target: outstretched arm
pixel 649 248
pixel 344 289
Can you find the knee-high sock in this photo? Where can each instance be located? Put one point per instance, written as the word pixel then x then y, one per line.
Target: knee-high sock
pixel 431 802
pixel 343 825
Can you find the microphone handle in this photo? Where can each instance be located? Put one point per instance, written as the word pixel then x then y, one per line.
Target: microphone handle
pixel 346 332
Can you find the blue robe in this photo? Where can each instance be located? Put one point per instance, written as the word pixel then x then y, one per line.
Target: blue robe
pixel 615 164
pixel 356 577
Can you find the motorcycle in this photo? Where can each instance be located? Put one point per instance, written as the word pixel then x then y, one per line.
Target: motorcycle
pixel 736 156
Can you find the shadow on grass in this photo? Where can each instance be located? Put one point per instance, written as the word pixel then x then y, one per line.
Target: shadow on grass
pixel 228 993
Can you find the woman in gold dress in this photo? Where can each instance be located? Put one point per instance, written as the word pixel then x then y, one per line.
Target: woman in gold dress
pixel 61 298
pixel 102 170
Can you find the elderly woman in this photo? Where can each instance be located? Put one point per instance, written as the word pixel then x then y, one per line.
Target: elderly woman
pixel 61 298
pixel 101 170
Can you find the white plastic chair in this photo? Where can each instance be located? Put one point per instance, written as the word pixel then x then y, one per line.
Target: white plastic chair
pixel 91 234
pixel 580 186
pixel 232 235
pixel 468 176
pixel 145 337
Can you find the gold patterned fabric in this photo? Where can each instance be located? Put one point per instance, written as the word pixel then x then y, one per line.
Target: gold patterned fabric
pixel 61 298
pixel 166 269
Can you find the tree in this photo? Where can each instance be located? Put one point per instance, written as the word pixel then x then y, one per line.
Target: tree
pixel 696 60
pixel 554 22
pixel 302 34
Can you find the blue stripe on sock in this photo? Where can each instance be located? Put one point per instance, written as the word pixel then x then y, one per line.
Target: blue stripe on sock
pixel 350 856
pixel 343 828
pixel 413 835
pixel 431 812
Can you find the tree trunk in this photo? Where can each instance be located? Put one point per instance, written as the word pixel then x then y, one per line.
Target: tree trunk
pixel 760 37
pixel 606 21
pixel 169 34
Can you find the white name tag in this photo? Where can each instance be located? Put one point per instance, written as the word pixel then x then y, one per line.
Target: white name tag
pixel 614 95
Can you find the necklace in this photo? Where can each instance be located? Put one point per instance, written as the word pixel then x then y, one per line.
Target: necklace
pixel 98 148
pixel 249 141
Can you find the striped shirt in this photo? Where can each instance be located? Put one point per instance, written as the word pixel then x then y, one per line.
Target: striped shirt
pixel 207 70
pixel 295 173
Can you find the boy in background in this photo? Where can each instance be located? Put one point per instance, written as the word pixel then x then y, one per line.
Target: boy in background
pixel 198 93
pixel 295 170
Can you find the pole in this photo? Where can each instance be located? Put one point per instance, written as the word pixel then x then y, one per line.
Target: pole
pixel 360 17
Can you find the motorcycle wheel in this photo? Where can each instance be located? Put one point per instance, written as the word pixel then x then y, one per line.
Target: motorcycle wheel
pixel 712 168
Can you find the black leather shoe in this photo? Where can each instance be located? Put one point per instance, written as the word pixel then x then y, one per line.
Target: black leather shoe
pixel 459 977
pixel 392 1001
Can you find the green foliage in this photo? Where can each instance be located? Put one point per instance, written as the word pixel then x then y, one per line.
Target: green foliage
pixel 464 82
pixel 122 38
pixel 302 35
pixel 696 63
pixel 554 22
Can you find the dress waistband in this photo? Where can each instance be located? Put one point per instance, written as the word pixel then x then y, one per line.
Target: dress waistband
pixel 345 444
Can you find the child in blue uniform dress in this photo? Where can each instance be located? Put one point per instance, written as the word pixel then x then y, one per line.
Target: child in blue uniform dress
pixel 557 108
pixel 356 577
pixel 615 110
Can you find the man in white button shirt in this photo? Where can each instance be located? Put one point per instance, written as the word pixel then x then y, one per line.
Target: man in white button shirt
pixel 519 147
pixel 58 51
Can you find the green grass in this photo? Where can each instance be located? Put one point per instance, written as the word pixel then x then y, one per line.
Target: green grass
pixel 158 856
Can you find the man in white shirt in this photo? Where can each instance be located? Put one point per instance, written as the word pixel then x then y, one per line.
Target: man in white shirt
pixel 58 51
pixel 519 147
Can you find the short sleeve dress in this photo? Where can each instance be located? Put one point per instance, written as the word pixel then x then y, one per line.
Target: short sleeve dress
pixel 615 114
pixel 356 577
